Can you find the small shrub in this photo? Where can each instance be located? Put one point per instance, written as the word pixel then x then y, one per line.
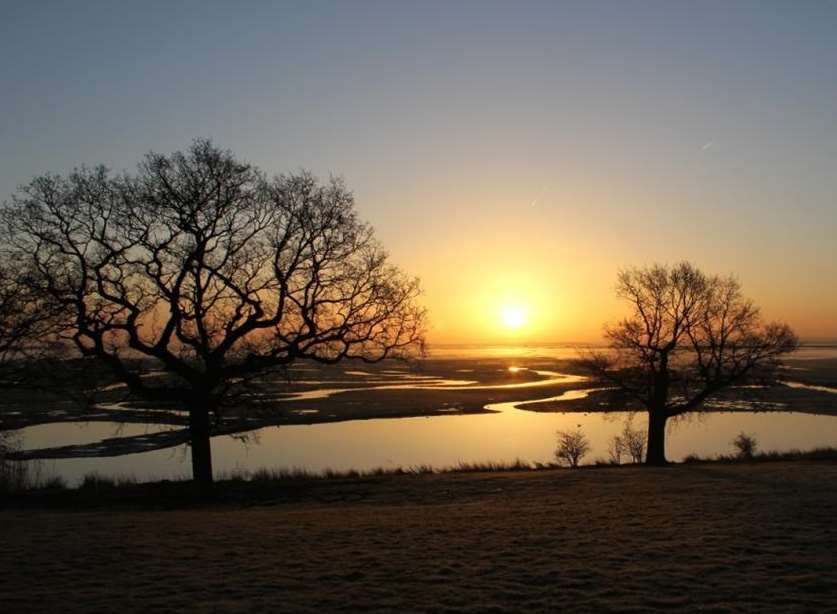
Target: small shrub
pixel 615 451
pixel 15 476
pixel 538 466
pixel 629 442
pixel 94 481
pixel 491 466
pixel 418 469
pixel 54 483
pixel 633 442
pixel 262 475
pixel 572 446
pixel 745 445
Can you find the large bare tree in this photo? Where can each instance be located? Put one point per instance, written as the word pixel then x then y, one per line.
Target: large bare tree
pixel 688 336
pixel 202 264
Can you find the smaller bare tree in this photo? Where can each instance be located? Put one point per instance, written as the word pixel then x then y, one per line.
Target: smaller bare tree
pixel 572 447
pixel 687 337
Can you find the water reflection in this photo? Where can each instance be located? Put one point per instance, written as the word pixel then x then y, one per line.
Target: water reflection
pixel 56 434
pixel 802 386
pixel 447 440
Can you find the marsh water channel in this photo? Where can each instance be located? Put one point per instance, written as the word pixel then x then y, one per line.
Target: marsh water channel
pixel 508 430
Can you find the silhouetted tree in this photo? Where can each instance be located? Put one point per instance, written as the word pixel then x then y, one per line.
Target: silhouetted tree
pixel 745 445
pixel 572 446
pixel 630 442
pixel 633 442
pixel 213 271
pixel 688 336
pixel 27 323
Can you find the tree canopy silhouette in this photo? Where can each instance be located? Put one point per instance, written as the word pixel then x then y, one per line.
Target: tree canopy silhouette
pixel 687 337
pixel 24 314
pixel 202 264
pixel 27 319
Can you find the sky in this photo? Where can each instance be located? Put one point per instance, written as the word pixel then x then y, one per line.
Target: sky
pixel 513 155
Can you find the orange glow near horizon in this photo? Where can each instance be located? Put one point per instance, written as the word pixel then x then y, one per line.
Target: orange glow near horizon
pixel 509 278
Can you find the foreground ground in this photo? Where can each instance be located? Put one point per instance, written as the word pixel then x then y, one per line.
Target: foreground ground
pixel 743 537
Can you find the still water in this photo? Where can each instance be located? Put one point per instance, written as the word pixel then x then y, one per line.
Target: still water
pixel 440 441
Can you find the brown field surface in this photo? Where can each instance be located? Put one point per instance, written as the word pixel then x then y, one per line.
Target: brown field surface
pixel 712 537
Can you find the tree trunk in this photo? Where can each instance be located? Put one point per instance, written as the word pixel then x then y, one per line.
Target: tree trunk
pixel 656 451
pixel 201 448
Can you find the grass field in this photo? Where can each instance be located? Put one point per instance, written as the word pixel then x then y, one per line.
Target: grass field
pixel 704 537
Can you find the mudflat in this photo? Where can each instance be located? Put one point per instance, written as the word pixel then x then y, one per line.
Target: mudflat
pixel 316 394
pixel 704 537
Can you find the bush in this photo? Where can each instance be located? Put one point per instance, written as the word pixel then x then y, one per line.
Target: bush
pixel 629 442
pixel 615 451
pixel 19 477
pixel 633 442
pixel 746 445
pixel 54 483
pixel 572 446
pixel 94 481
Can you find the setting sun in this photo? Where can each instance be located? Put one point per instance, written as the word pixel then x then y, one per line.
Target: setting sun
pixel 513 316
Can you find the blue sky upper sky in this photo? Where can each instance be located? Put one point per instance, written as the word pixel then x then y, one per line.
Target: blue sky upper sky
pixel 509 153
